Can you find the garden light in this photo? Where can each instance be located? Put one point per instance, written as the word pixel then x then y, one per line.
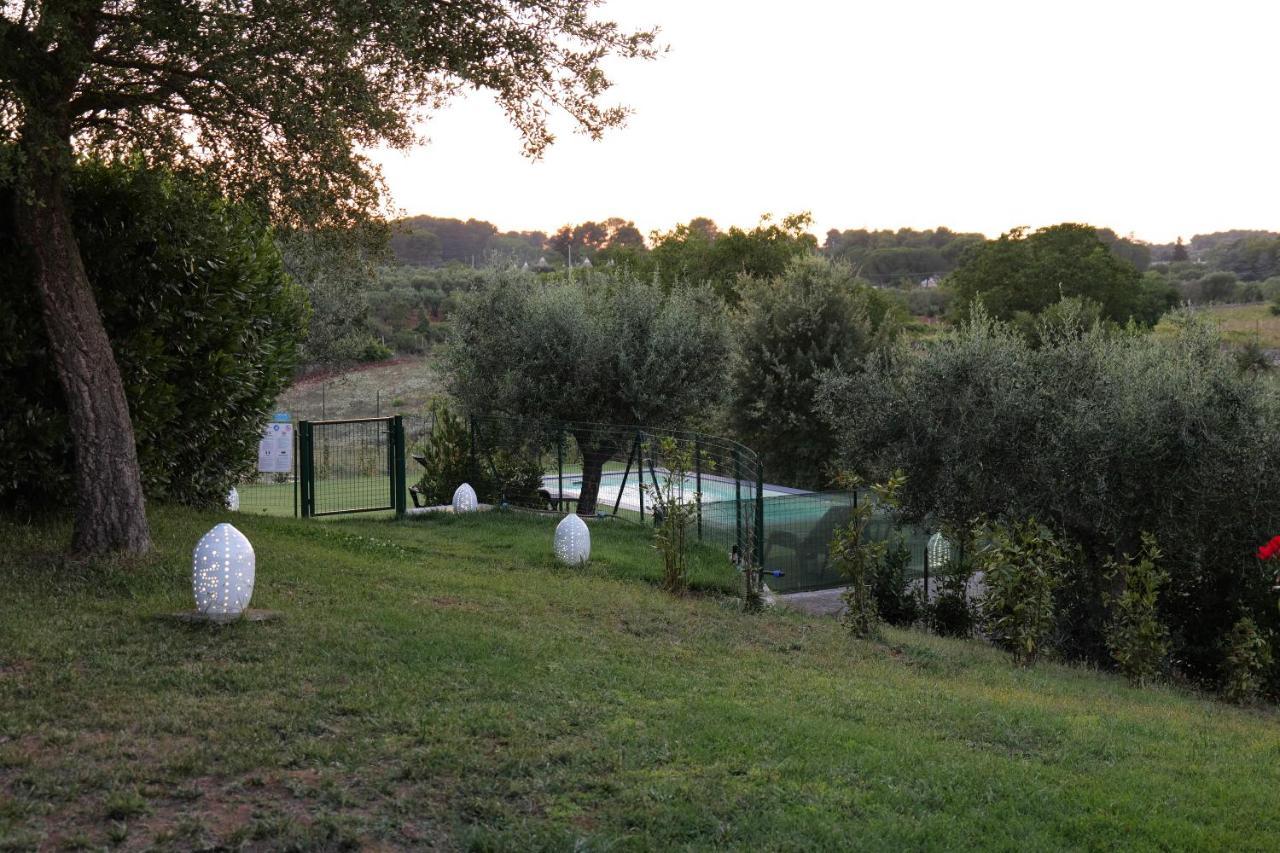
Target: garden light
pixel 940 551
pixel 222 571
pixel 464 499
pixel 572 544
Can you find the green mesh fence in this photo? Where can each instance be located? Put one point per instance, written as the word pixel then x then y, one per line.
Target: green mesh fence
pixel 351 466
pixel 617 471
pixel 798 532
pixel 788 533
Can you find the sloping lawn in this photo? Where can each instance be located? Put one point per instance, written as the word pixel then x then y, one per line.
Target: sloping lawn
pixel 440 682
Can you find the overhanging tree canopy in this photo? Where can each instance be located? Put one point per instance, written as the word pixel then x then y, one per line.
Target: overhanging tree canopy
pixel 273 100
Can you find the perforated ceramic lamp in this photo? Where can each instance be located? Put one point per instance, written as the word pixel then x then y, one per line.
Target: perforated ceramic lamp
pixel 222 572
pixel 573 541
pixel 464 499
pixel 940 552
pixel 233 500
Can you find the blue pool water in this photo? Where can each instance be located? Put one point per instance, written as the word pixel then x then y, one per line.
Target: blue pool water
pixel 714 488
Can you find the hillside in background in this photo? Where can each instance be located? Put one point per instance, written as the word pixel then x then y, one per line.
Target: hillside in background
pixel 431 241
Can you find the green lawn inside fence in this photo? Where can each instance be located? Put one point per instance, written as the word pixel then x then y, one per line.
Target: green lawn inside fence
pixel 440 681
pixel 798 528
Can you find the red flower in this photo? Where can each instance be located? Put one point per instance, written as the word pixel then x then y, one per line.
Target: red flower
pixel 1266 552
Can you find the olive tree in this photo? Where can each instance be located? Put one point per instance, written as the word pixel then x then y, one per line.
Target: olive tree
pixel 274 102
pixel 816 316
pixel 1103 436
pixel 601 349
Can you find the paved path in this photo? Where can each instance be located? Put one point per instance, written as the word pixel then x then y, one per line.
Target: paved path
pixel 826 602
pixel 821 602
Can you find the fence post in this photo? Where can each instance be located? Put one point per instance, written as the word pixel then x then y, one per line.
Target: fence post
pixel 697 475
pixel 560 468
pixel 926 572
pixel 653 475
pixel 296 470
pixel 398 477
pixel 634 452
pixel 759 515
pixel 639 473
pixel 306 467
pixel 475 466
pixel 737 500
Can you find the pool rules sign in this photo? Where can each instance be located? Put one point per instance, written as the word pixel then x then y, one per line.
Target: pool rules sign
pixel 275 448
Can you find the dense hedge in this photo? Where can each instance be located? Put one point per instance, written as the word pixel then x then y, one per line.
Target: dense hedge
pixel 203 320
pixel 1102 436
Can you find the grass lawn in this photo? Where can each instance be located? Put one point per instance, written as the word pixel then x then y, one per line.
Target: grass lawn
pixel 1240 324
pixel 441 682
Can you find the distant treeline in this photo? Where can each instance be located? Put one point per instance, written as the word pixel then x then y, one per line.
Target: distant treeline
pixel 884 257
pixel 429 241
pixel 405 307
pixel 1250 255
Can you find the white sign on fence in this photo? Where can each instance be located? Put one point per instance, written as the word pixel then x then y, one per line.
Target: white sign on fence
pixel 275 449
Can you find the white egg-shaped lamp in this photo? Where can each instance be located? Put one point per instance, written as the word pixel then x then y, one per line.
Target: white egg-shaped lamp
pixel 940 552
pixel 572 543
pixel 222 570
pixel 464 499
pixel 233 500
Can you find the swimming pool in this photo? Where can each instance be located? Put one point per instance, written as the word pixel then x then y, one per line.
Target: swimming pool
pixel 715 488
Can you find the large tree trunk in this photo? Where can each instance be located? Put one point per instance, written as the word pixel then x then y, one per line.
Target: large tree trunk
pixel 593 459
pixel 110 514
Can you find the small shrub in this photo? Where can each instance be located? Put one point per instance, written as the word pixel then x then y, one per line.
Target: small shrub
pixel 858 560
pixel 1247 656
pixel 447 450
pixel 896 602
pixel 1251 358
pixel 375 351
pixel 404 342
pixel 674 511
pixel 122 805
pixel 1021 561
pixel 496 476
pixel 1136 638
pixel 513 477
pixel 950 613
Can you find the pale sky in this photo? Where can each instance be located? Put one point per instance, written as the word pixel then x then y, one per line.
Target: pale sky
pixel 1153 118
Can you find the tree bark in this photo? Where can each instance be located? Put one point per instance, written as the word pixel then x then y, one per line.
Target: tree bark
pixel 593 459
pixel 110 513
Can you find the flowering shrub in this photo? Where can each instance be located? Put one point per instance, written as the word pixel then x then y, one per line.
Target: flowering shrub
pixel 1271 551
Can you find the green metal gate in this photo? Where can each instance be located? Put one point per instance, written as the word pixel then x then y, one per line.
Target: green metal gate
pixel 350 466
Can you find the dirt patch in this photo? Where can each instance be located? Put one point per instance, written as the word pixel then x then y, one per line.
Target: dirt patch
pixel 14 669
pixel 454 603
